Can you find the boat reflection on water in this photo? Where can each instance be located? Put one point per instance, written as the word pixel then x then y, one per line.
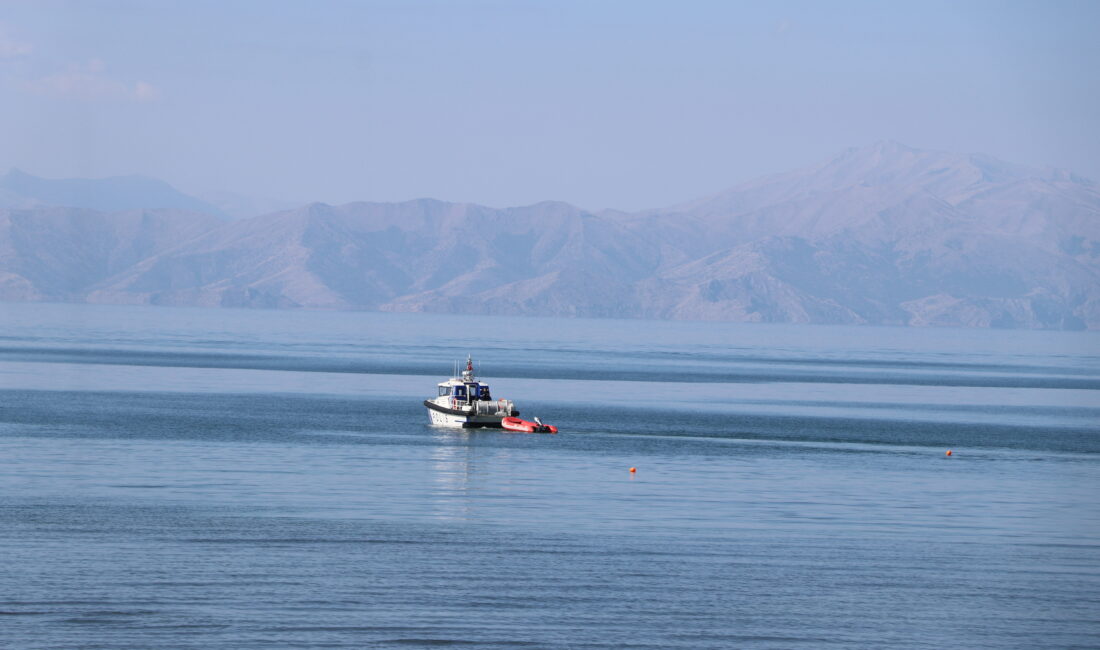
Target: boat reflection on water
pixel 468 476
pixel 454 472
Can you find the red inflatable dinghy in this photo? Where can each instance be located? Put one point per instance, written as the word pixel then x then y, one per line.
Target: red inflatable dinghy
pixel 526 426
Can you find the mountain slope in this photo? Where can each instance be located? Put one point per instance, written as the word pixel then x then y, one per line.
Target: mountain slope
pixel 59 253
pixel 415 256
pixel 893 235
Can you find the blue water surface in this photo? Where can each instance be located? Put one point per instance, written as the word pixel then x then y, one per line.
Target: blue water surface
pixel 257 479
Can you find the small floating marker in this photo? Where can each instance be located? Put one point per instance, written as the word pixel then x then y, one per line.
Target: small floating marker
pixel 633 470
pixel 948 453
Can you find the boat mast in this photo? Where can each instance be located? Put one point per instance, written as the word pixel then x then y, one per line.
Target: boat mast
pixel 468 373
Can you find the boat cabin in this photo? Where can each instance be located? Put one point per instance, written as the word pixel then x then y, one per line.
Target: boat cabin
pixel 465 392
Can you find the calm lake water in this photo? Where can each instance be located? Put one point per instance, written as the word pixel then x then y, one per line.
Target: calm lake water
pixel 217 478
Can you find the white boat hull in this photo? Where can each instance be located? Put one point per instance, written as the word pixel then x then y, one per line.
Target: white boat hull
pixel 446 419
pixel 442 416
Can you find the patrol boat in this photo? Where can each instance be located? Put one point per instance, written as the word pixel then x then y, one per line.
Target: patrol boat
pixel 466 402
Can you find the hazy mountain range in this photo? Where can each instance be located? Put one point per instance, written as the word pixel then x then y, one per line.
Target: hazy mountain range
pixel 883 234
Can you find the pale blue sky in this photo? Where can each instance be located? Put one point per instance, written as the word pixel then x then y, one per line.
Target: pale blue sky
pixel 602 104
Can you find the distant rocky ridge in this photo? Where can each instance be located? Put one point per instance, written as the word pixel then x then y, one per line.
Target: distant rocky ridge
pixel 19 189
pixel 884 234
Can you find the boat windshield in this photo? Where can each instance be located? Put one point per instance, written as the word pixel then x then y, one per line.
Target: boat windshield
pixel 460 392
pixel 483 393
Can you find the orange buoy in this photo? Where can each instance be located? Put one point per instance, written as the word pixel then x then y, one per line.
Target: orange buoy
pixel 633 469
pixel 948 452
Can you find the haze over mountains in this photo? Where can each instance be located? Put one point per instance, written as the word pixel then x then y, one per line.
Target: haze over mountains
pixel 883 234
pixel 21 190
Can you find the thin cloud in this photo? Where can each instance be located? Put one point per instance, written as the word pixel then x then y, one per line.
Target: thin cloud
pixel 145 92
pixel 11 48
pixel 90 81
